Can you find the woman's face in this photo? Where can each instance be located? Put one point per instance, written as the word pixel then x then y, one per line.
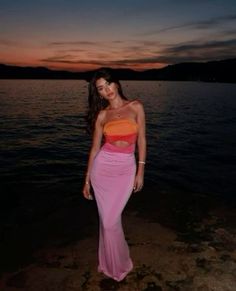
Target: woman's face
pixel 107 90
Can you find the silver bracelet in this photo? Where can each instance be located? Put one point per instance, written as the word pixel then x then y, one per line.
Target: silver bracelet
pixel 141 162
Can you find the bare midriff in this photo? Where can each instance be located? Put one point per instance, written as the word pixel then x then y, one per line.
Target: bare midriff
pixel 120 133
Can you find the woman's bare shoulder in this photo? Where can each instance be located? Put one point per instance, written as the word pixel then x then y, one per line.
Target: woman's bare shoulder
pixel 101 116
pixel 136 104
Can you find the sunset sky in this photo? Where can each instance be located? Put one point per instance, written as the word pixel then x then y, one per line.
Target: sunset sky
pixel 140 34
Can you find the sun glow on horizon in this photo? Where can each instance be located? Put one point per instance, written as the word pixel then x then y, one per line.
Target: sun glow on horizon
pixel 81 36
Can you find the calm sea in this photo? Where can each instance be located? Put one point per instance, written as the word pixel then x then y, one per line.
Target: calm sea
pixel 191 134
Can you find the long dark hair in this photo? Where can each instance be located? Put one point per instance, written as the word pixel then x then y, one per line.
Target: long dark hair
pixel 95 102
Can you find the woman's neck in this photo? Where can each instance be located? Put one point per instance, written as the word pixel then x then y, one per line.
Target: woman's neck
pixel 117 103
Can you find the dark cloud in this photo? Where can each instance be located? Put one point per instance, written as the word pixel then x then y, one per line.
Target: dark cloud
pixel 226 33
pixel 70 51
pixel 196 51
pixel 72 43
pixel 205 24
pixel 59 59
pixel 189 52
pixel 225 44
pixel 6 42
pixel 212 22
pixel 68 59
pixel 84 43
pixel 172 54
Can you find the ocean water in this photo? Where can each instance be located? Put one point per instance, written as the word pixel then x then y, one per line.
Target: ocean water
pixel 191 136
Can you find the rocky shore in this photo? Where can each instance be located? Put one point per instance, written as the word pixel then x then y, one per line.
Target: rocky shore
pixel 189 246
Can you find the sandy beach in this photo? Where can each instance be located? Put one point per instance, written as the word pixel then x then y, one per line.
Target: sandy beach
pixel 181 244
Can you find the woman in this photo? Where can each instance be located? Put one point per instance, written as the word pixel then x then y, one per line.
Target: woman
pixel 112 168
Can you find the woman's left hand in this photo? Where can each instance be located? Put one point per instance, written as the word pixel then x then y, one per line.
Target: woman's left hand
pixel 138 183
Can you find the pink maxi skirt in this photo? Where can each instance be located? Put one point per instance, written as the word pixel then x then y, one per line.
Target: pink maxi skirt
pixel 112 178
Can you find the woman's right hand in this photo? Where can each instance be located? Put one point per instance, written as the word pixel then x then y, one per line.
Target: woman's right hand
pixel 86 191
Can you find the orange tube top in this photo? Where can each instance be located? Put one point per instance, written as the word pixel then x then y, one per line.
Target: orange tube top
pixel 121 130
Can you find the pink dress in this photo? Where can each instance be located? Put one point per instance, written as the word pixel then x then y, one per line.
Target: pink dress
pixel 112 178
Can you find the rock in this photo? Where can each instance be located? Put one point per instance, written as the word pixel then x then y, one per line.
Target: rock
pixel 18 280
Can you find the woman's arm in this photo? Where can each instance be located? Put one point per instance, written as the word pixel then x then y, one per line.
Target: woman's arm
pixel 141 143
pixel 96 144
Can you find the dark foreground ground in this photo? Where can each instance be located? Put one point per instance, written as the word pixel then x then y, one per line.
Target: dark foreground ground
pixel 177 242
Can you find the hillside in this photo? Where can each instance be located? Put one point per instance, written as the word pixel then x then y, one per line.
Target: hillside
pixel 215 71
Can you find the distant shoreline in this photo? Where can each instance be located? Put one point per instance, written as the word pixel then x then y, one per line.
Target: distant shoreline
pixel 223 71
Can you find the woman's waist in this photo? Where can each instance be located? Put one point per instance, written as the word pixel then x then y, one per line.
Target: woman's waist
pixel 111 147
pixel 129 138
